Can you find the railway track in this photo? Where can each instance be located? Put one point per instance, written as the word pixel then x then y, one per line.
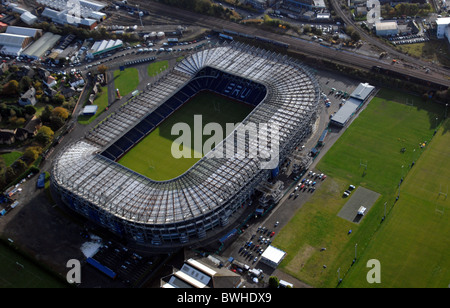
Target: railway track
pixel 440 77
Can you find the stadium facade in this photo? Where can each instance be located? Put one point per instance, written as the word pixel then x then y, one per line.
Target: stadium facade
pixel 198 205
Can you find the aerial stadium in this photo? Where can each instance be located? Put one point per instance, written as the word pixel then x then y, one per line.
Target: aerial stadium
pixel 202 202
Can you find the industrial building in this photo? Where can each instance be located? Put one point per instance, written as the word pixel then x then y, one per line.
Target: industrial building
pixel 100 47
pixel 201 273
pixel 260 5
pixel 14 44
pixel 305 4
pixel 196 207
pixel 38 48
pixel 359 96
pixel 84 9
pixel 64 17
pixel 387 28
pixel 443 28
pixel 34 33
pixel 28 18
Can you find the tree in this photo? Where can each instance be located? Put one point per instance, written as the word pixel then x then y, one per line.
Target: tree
pixel 44 135
pixel 11 88
pixel 29 109
pixel 58 99
pixel 102 69
pixel 58 117
pixel 355 36
pixel 31 154
pixel 61 112
pixel 274 282
pixel 47 113
pixel 25 83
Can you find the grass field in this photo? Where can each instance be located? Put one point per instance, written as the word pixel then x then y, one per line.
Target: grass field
pixel 11 157
pixel 376 137
pixel 157 67
pixel 413 245
pixel 126 81
pixel 152 156
pixel 433 50
pixel 18 272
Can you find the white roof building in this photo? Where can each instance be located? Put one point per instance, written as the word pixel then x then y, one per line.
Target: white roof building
pixel 100 47
pixel 386 28
pixel 358 97
pixel 442 24
pixel 64 17
pixel 28 18
pixel 84 8
pixel 272 256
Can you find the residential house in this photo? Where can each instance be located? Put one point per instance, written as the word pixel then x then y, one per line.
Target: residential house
pixel 28 98
pixel 50 81
pixel 7 136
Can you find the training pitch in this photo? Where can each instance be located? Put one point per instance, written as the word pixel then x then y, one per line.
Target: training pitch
pixel 388 137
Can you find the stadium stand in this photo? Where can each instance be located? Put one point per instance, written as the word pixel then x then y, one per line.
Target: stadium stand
pixel 196 206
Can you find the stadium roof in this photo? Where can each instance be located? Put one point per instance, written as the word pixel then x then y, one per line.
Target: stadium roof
pixel 211 185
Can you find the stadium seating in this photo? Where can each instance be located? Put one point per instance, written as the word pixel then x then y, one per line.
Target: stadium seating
pixel 208 78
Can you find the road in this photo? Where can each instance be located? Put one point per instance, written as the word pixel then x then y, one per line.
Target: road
pixel 302 46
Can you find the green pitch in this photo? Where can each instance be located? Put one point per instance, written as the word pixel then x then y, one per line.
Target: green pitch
pixel 127 80
pixel 413 245
pixel 19 272
pixel 391 122
pixel 153 157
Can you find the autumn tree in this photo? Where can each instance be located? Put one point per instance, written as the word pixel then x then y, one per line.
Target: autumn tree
pixel 11 88
pixel 44 135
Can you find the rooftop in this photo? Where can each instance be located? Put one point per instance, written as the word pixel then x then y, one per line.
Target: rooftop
pixel 386 25
pixel 443 21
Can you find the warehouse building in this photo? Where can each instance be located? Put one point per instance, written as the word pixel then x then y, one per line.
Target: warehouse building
pixel 101 47
pixel 85 9
pixel 387 28
pixel 13 44
pixel 353 104
pixel 201 273
pixel 64 18
pixel 28 18
pixel 443 28
pixel 38 48
pixel 34 33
